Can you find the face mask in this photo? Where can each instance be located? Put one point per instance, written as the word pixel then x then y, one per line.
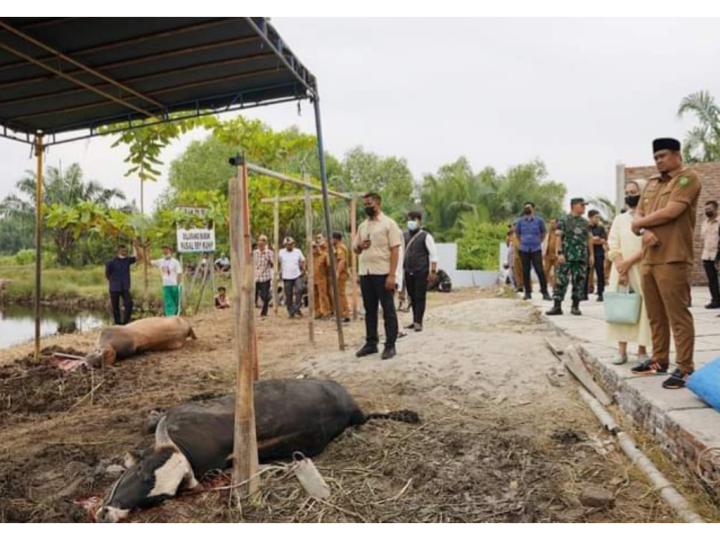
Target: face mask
pixel 527 211
pixel 709 213
pixel 370 211
pixel 412 225
pixel 121 256
pixel 632 200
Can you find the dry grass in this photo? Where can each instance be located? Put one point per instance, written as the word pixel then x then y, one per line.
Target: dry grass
pixel 494 460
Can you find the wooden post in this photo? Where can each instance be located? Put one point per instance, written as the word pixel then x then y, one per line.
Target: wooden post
pixel 353 257
pixel 39 149
pixel 202 289
pixel 310 264
pixel 245 443
pixel 276 265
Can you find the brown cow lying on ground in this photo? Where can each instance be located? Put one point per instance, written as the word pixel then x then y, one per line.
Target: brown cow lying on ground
pixel 291 415
pixel 152 334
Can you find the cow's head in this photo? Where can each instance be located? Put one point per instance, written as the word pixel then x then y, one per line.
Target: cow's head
pixel 149 479
pixel 101 357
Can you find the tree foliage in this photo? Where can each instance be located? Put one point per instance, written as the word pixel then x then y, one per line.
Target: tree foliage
pixel 702 142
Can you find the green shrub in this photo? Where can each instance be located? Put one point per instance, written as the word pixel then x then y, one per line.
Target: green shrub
pixel 25 256
pixel 479 246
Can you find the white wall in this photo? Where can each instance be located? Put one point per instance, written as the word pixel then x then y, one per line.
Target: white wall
pixel 447 261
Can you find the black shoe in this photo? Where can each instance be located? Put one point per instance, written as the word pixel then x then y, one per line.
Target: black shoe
pixel 676 381
pixel 346 320
pixel 600 298
pixel 418 327
pixel 410 326
pixel 575 310
pixel 547 297
pixel 519 289
pixel 388 353
pixel 527 297
pixel 648 367
pixel 712 305
pixel 367 350
pixel 556 310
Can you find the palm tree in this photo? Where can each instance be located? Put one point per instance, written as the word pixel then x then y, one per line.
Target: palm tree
pixel 702 142
pixel 66 188
pixel 605 206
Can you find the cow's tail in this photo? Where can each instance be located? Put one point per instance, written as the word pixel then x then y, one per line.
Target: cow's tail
pixel 406 416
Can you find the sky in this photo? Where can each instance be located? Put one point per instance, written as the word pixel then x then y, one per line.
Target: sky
pixel 579 94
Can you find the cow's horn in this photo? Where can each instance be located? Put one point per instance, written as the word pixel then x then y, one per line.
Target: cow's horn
pixel 162 437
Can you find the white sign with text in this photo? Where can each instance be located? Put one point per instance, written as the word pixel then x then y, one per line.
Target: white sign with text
pixel 195 240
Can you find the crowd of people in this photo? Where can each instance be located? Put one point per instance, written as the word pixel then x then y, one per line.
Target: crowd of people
pixel 647 250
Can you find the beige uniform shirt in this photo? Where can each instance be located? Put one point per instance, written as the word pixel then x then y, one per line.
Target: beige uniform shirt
pixel 384 234
pixel 710 236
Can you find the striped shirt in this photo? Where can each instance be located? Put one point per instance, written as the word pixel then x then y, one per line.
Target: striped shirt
pixel 263 261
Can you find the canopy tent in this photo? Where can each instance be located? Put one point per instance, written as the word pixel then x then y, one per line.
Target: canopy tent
pixel 61 79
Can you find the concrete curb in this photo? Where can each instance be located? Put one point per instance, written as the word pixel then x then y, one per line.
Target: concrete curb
pixel 684 426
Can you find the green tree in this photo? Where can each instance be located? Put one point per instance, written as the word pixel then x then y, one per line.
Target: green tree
pixel 605 206
pixel 455 190
pixel 145 144
pixel 702 142
pixel 456 198
pixel 65 192
pixel 363 171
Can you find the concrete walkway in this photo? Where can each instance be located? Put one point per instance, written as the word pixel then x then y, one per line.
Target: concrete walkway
pixel 678 420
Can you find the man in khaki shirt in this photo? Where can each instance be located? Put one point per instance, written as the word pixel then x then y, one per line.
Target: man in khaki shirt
pixel 665 219
pixel 378 244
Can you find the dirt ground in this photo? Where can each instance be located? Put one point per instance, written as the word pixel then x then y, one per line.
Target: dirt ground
pixel 503 438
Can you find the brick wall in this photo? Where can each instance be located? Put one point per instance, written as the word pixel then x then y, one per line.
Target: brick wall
pixel 710 177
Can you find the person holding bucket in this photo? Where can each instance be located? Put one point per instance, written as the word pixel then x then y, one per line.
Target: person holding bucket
pixel 625 252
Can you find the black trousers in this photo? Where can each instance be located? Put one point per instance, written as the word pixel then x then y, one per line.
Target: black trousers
pixel 599 265
pixel 127 304
pixel 262 290
pixel 374 295
pixel 417 286
pixel 712 275
pixel 293 295
pixel 534 258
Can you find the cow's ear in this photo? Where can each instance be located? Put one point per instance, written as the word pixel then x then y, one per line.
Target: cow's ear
pixel 162 437
pixel 130 459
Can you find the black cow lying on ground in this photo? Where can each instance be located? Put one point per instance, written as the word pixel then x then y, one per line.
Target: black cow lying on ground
pixel 294 415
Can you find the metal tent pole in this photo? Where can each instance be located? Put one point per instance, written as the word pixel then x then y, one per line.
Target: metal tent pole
pixel 39 148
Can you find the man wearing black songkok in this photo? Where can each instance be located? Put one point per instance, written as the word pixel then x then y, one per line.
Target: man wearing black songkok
pixel 665 219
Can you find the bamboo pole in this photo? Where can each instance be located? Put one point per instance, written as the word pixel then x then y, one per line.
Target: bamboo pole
pixel 302 183
pixel 276 265
pixel 39 148
pixel 310 265
pixel 353 258
pixel 245 444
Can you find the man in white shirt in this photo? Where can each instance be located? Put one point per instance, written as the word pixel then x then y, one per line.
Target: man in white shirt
pixel 420 263
pixel 710 235
pixel 171 273
pixel 292 268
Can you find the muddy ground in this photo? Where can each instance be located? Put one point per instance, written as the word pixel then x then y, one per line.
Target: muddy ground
pixel 504 437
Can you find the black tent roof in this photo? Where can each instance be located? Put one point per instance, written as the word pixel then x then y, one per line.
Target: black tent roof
pixel 66 74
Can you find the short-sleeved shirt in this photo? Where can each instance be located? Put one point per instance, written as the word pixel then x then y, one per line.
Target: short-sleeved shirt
pixel 263 264
pixel 675 238
pixel 531 231
pixel 384 234
pixel 169 270
pixel 341 254
pixel 290 263
pixel 575 233
pixel 710 233
pixel 599 231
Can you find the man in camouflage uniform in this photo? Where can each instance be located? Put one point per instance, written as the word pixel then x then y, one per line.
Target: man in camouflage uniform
pixel 574 256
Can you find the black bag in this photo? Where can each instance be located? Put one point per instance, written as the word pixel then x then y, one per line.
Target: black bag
pixel 444 281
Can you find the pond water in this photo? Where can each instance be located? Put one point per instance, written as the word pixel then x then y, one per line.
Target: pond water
pixel 17 323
